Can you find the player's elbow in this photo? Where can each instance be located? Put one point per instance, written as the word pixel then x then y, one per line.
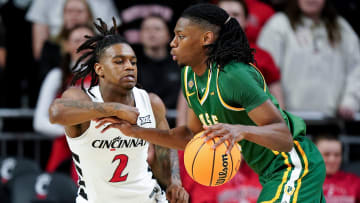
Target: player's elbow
pixel 55 113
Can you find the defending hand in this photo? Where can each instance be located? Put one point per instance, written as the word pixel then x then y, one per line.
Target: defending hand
pixel 175 193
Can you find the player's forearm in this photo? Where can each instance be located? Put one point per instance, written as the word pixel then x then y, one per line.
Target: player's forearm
pixel 161 165
pixel 72 112
pixel 274 136
pixel 174 166
pixel 176 138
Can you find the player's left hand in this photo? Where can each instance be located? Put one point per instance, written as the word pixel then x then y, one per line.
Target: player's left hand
pixel 227 132
pixel 113 122
pixel 175 193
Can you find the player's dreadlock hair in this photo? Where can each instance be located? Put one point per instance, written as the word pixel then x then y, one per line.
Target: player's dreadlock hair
pixel 96 46
pixel 231 43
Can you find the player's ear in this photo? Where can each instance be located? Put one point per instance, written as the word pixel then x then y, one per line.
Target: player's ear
pixel 99 70
pixel 208 38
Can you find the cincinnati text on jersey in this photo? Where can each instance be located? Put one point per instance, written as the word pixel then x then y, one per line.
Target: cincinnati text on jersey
pixel 118 143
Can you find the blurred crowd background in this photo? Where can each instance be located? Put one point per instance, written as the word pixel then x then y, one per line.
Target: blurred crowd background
pixel 307 50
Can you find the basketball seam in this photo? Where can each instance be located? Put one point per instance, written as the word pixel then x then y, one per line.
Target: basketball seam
pixel 191 141
pixel 212 170
pixel 192 167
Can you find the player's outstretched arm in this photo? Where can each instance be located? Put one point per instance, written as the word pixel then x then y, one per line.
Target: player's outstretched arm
pixel 75 107
pixel 271 130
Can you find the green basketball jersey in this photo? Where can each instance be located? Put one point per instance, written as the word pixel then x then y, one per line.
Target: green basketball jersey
pixel 226 96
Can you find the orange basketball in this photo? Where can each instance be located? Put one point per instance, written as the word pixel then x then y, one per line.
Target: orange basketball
pixel 211 167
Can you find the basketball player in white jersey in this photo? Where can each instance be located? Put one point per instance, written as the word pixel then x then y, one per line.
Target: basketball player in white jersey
pixel 111 166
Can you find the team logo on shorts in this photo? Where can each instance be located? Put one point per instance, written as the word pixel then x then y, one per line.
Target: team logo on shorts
pixel 191 84
pixel 289 190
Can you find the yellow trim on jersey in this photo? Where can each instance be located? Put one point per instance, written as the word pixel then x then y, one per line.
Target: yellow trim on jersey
pixel 206 93
pixel 221 99
pixel 286 174
pixel 186 89
pixel 260 74
pixel 306 170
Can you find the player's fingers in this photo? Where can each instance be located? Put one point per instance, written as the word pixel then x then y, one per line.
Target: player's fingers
pixel 112 125
pixel 186 199
pixel 113 119
pixel 108 120
pixel 218 133
pixel 98 119
pixel 168 194
pixel 174 195
pixel 178 194
pixel 106 128
pixel 221 140
pixel 213 127
pixel 231 145
pixel 100 123
pixel 183 197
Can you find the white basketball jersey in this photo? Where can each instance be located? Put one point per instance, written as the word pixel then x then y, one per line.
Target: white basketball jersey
pixel 112 167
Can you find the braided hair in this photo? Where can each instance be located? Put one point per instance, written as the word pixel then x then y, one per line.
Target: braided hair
pixel 96 45
pixel 231 43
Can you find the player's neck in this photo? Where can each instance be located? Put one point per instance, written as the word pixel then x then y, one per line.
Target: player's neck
pixel 114 94
pixel 200 68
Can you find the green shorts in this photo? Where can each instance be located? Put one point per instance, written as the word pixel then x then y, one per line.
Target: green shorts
pixel 296 176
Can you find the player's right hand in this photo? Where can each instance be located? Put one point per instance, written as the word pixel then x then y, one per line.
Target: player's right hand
pixel 177 194
pixel 114 122
pixel 229 133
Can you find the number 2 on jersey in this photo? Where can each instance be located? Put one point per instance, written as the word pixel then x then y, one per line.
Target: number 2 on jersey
pixel 119 169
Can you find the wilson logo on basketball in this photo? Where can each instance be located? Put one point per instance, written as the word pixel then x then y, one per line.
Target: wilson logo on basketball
pixel 118 143
pixel 223 174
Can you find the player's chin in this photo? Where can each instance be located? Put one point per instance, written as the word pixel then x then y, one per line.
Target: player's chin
pixel 181 65
pixel 129 85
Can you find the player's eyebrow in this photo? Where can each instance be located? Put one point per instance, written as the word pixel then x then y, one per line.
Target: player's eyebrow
pixel 123 56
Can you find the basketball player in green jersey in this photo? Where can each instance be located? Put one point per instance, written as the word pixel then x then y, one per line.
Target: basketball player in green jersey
pixel 228 97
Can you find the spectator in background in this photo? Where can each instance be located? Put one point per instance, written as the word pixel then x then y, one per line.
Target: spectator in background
pixel 157 71
pixel 257 14
pixel 47 20
pixel 2 46
pixel 319 58
pixel 75 12
pixel 56 81
pixel 349 9
pixel 277 5
pixel 2 53
pixel 133 12
pixel 339 186
pixel 20 72
pixel 239 10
